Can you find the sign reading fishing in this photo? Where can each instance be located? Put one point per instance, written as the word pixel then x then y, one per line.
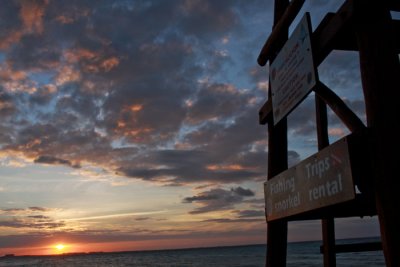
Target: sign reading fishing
pixel 321 180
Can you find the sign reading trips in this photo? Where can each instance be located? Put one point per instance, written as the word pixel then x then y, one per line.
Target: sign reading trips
pixel 321 180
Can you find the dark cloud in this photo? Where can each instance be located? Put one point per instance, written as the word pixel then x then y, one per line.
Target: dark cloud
pixel 46 159
pixel 32 223
pixel 85 83
pixel 26 210
pixel 39 217
pixel 160 100
pixel 242 192
pixel 31 218
pixel 142 219
pixel 39 209
pixel 218 199
pixel 186 166
pixel 233 220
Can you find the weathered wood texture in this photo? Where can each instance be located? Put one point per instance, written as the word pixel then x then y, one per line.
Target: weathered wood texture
pixel 272 46
pixel 347 116
pixel 380 72
pixel 365 26
pixel 277 161
pixel 328 224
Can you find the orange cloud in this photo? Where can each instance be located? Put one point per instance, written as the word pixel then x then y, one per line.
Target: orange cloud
pixel 230 167
pixel 67 74
pixel 64 19
pixel 136 108
pixel 31 14
pixel 6 73
pixel 110 63
pixel 74 56
pixel 12 38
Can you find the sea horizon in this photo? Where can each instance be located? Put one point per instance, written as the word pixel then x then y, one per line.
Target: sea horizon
pixel 177 249
pixel 304 253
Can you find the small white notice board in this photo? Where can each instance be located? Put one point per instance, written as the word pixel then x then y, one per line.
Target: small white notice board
pixel 292 73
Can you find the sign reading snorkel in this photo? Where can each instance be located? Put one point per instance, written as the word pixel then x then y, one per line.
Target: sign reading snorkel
pixel 292 73
pixel 321 180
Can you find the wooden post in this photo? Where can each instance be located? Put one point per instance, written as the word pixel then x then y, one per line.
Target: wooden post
pixel 328 225
pixel 277 162
pixel 380 72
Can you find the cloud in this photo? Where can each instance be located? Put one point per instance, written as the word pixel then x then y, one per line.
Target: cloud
pixel 31 14
pixel 249 213
pixel 24 211
pixel 233 220
pixel 32 223
pixel 174 101
pixel 77 74
pixel 243 192
pixel 31 218
pixel 46 159
pixel 218 199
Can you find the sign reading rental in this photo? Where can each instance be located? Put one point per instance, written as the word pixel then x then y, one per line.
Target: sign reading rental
pixel 292 73
pixel 321 180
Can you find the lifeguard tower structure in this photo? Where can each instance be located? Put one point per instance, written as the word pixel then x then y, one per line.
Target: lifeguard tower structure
pixel 323 185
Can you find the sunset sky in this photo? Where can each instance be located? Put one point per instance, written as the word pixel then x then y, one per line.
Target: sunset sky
pixel 132 125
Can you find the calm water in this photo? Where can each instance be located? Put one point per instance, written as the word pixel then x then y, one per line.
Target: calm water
pixel 299 254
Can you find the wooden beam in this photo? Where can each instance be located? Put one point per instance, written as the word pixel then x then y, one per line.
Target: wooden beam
pixel 272 46
pixel 348 117
pixel 335 32
pixel 328 224
pixel 323 40
pixel 394 5
pixel 277 159
pixel 396 32
pixel 361 206
pixel 380 72
pixel 265 113
pixel 326 34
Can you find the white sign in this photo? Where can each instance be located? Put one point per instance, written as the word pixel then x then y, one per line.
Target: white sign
pixel 321 180
pixel 292 73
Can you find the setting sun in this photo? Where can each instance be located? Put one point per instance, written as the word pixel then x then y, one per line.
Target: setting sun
pixel 59 247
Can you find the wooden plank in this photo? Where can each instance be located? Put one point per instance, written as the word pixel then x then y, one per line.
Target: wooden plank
pixel 335 32
pixel 364 202
pixel 323 39
pixel 380 72
pixel 328 224
pixel 277 161
pixel 394 5
pixel 396 33
pixel 326 34
pixel 321 180
pixel 265 113
pixel 347 116
pixel 273 45
pixel 361 206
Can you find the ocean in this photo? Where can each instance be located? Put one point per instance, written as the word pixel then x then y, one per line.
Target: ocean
pixel 305 254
